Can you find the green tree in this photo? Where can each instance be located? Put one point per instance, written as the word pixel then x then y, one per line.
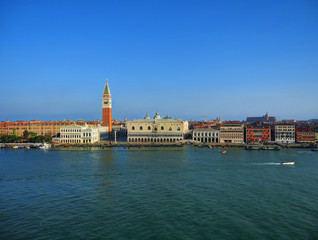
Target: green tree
pixel 33 134
pixel 40 138
pixel 8 138
pixel 26 134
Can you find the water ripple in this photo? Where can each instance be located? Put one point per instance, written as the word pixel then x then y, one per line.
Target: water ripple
pixel 190 194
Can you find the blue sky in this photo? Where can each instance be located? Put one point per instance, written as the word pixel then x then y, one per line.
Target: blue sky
pixel 189 58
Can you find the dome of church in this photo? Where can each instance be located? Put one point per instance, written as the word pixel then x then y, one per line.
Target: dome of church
pixel 157 116
pixel 147 117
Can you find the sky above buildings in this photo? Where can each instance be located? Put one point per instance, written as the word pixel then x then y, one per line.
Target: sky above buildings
pixel 189 58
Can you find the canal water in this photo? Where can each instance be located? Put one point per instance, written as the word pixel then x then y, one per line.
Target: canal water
pixel 194 193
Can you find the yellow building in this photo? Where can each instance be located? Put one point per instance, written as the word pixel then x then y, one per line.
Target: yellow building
pixel 157 129
pixel 50 128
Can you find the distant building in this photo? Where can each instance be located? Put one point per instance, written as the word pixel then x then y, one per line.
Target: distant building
pixel 206 135
pixel 305 134
pixel 289 121
pixel 157 129
pixel 204 124
pixel 258 132
pixel 107 108
pixel 264 119
pixel 80 134
pixel 50 128
pixel 285 133
pixel 232 132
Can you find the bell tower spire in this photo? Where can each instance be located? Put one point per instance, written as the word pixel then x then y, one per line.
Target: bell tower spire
pixel 107 108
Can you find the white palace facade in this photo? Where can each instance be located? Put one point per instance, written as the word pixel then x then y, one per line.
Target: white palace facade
pixel 157 129
pixel 80 134
pixel 206 135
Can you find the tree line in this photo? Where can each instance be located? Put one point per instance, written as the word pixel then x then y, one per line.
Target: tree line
pixel 27 137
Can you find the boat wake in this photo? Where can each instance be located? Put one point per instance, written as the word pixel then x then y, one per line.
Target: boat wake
pixel 266 164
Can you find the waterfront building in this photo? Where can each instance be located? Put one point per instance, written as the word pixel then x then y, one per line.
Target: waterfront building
pixel 107 108
pixel 305 134
pixel 285 133
pixel 157 129
pixel 80 134
pixel 258 133
pixel 50 128
pixel 232 132
pixel 206 135
pixel 266 119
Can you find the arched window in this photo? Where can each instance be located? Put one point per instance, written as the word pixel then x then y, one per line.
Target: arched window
pixel 162 128
pixel 133 128
pixel 170 129
pixel 149 128
pixel 178 129
pixel 156 129
pixel 140 128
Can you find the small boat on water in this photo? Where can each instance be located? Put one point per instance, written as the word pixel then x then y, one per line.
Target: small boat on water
pixel 223 152
pixel 44 146
pixel 270 147
pixel 288 163
pixel 253 147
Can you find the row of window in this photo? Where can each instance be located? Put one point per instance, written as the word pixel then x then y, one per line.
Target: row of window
pixel 231 134
pixel 231 137
pixel 257 136
pixel 87 134
pixel 206 134
pixel 284 135
pixel 70 136
pixel 70 130
pixel 75 141
pixel 154 135
pixel 210 140
pixel 257 131
pixel 76 136
pixel 70 141
pixel 154 139
pixel 285 129
pixel 156 129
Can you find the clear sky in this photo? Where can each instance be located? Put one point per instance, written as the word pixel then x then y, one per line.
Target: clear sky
pixel 189 58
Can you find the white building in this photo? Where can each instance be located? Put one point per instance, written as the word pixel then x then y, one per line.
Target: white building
pixel 285 133
pixel 157 129
pixel 79 134
pixel 206 135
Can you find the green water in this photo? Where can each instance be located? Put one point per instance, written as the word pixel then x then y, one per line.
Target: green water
pixel 188 194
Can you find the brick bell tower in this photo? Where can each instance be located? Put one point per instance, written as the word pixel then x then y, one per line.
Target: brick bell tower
pixel 107 108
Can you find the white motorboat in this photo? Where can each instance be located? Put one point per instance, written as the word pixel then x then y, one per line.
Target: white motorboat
pixel 288 163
